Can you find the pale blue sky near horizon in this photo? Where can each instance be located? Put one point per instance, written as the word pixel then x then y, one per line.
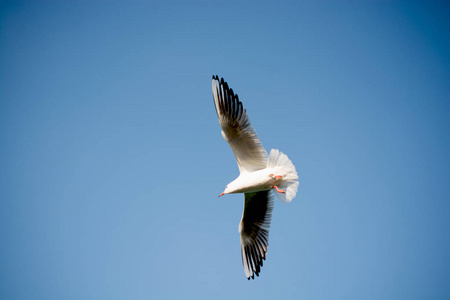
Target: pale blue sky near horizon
pixel 111 157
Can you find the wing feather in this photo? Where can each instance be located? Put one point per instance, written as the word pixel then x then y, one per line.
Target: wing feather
pixel 237 129
pixel 254 229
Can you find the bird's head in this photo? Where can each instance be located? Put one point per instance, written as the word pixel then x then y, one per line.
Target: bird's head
pixel 232 187
pixel 225 191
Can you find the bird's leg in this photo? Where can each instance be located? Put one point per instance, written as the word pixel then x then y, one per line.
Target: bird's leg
pixel 278 190
pixel 276 176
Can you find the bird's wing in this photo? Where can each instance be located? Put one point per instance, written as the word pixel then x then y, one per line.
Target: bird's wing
pixel 254 229
pixel 237 129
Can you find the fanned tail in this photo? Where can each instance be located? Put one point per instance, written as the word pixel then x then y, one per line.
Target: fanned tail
pixel 282 165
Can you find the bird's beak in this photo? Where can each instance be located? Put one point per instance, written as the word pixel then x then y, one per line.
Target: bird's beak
pixel 222 194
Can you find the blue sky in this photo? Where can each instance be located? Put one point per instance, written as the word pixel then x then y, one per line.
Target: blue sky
pixel 111 156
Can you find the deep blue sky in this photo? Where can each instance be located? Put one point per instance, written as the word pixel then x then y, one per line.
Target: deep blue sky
pixel 111 158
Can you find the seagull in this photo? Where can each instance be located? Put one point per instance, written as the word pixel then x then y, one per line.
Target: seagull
pixel 261 176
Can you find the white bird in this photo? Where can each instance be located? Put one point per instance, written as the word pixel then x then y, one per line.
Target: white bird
pixel 260 176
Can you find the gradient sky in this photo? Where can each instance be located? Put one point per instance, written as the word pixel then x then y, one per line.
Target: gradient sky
pixel 111 158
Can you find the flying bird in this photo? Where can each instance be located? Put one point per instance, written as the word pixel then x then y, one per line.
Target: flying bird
pixel 261 176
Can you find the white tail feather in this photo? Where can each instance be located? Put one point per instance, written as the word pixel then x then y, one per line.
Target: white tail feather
pixel 282 165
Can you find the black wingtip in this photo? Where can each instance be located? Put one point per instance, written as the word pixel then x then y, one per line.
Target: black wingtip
pixel 221 81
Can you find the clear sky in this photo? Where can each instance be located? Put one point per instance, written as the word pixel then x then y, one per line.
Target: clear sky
pixel 111 158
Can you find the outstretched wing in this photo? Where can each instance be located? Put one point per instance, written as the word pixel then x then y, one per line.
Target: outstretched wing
pixel 237 129
pixel 254 229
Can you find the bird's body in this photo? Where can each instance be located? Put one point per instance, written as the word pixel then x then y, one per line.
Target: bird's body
pixel 261 176
pixel 265 179
pixel 255 181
